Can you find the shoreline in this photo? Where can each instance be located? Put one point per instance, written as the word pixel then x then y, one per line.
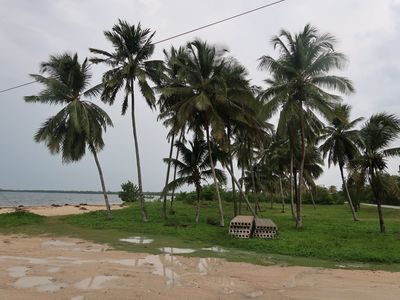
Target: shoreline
pixel 60 210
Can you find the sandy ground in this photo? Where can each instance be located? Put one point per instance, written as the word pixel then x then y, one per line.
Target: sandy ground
pixel 60 210
pixel 73 269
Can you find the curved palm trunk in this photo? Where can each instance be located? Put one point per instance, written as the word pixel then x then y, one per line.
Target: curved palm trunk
pixel 235 205
pixel 167 176
pixel 103 186
pixel 299 218
pixel 241 192
pixel 282 196
pixel 176 157
pixel 135 138
pixel 220 209
pixel 353 211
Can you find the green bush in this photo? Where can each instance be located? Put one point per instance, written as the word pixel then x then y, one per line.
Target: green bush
pixel 130 192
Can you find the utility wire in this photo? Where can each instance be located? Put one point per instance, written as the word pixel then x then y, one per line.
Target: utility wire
pixel 181 34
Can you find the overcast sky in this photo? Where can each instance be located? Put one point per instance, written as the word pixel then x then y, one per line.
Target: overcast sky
pixel 30 31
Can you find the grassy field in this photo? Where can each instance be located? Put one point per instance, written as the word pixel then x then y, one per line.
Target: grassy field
pixel 329 238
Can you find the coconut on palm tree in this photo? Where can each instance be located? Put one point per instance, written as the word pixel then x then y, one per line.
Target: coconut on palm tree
pixel 301 76
pixel 377 134
pixel 80 123
pixel 193 168
pixel 129 64
pixel 340 145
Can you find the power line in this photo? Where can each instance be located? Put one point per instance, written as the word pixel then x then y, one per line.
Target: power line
pixel 181 34
pixel 218 22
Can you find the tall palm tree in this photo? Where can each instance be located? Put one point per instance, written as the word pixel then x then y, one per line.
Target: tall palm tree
pixel 193 168
pixel 129 64
pixel 80 123
pixel 377 134
pixel 341 144
pixel 205 104
pixel 300 75
pixel 174 61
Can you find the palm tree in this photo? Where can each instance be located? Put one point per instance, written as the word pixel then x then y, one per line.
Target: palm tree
pixel 299 75
pixel 80 123
pixel 341 144
pixel 205 103
pixel 174 60
pixel 377 134
pixel 129 63
pixel 193 168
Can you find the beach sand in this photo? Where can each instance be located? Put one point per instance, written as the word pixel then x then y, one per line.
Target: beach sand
pixel 60 210
pixel 73 269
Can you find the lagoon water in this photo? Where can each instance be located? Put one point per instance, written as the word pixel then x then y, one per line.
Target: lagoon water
pixel 11 199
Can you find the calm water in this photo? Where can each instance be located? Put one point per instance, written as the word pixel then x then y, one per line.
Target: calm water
pixel 37 198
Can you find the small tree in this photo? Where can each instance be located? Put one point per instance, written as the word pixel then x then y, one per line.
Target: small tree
pixel 130 192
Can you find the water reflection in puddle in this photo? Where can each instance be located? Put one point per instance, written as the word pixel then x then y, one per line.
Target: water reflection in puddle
pixel 171 250
pixel 137 240
pixel 93 283
pixel 58 243
pixel 215 249
pixel 41 283
pixel 17 272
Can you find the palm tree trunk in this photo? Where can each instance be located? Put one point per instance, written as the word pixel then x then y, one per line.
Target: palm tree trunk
pixel 353 212
pixel 235 205
pixel 253 184
pixel 291 186
pixel 241 187
pixel 176 157
pixel 103 186
pixel 282 196
pixel 241 192
pixel 167 177
pixel 197 204
pixel 377 194
pixel 311 194
pixel 299 218
pixel 220 209
pixel 135 138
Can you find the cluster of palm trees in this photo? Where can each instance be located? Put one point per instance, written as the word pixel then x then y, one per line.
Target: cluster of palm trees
pixel 215 116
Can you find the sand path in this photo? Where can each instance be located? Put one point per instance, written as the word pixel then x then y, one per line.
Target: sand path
pixel 73 269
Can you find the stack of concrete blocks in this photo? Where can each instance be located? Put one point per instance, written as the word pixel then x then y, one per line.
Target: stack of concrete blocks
pixel 264 228
pixel 241 226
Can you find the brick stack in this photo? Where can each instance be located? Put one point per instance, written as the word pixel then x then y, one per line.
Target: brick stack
pixel 265 228
pixel 241 226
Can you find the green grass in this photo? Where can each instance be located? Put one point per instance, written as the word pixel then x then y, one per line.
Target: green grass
pixel 329 237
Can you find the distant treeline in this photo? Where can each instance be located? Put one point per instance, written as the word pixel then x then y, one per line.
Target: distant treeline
pixel 73 192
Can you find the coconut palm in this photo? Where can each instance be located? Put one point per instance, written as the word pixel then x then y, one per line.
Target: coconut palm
pixel 300 75
pixel 205 105
pixel 340 144
pixel 377 134
pixel 193 168
pixel 129 64
pixel 174 60
pixel 80 123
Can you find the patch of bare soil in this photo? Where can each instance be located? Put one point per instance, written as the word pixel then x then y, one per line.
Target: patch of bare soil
pixel 73 269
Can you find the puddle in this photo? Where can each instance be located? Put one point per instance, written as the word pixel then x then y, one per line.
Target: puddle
pixel 171 250
pixel 17 272
pixel 137 240
pixel 255 294
pixel 94 283
pixel 41 283
pixel 54 270
pixel 58 243
pixel 215 249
